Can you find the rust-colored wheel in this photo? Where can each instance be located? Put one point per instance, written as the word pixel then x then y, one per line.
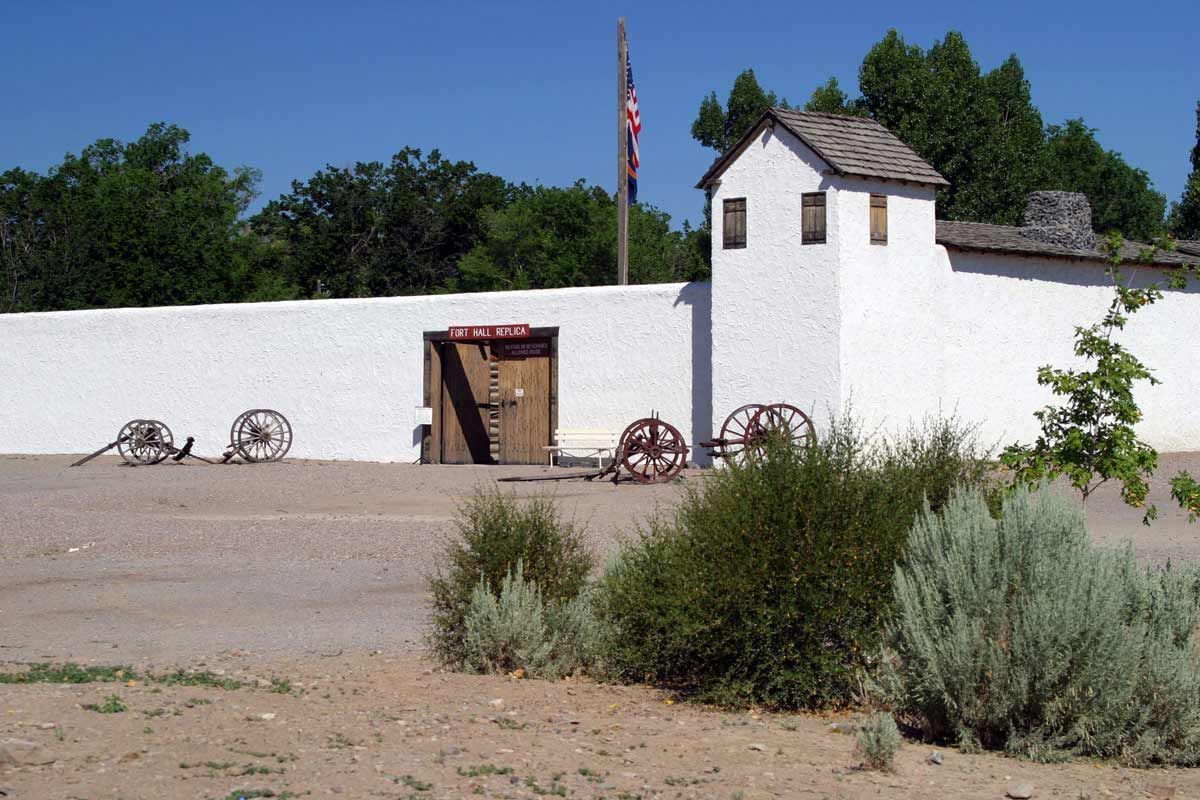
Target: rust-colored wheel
pixel 783 420
pixel 653 451
pixel 144 441
pixel 737 433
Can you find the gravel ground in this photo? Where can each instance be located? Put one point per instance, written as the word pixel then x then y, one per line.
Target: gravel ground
pixel 178 562
pixel 175 562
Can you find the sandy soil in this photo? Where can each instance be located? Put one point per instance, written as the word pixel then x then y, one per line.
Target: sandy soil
pixel 388 726
pixel 312 572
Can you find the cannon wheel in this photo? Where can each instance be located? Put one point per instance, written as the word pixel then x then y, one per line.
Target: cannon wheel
pixel 736 432
pixel 144 441
pixel 261 434
pixel 783 419
pixel 653 451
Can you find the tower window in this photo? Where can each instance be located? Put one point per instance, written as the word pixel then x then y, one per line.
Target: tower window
pixel 733 228
pixel 812 218
pixel 878 219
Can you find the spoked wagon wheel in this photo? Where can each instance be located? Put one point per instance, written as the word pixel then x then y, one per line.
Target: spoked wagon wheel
pixel 785 421
pixel 653 451
pixel 261 434
pixel 144 441
pixel 736 433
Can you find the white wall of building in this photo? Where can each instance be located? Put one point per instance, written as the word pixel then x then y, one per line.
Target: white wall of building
pixel 347 373
pixel 776 316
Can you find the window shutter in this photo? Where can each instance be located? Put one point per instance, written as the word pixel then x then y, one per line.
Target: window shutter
pixel 733 226
pixel 879 224
pixel 812 210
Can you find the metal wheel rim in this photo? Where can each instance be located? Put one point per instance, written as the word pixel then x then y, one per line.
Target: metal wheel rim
pixel 144 441
pixel 786 419
pixel 653 451
pixel 261 434
pixel 737 429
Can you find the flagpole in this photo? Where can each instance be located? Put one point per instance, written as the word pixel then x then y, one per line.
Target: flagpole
pixel 622 158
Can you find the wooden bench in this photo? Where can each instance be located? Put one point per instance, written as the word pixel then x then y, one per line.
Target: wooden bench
pixel 593 442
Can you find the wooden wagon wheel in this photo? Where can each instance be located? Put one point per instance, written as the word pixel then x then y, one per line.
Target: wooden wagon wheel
pixel 653 451
pixel 261 434
pixel 736 432
pixel 144 441
pixel 786 421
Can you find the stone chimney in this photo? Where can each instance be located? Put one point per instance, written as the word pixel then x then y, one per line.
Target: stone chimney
pixel 1059 218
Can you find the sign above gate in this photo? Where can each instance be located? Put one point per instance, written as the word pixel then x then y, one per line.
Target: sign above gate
pixel 473 332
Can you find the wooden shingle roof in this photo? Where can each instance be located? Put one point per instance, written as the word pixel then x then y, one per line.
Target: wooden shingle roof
pixel 857 146
pixel 982 237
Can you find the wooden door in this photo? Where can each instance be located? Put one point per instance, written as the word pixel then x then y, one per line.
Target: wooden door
pixel 525 391
pixel 464 403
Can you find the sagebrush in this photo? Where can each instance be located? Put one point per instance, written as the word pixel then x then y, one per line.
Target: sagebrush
pixel 515 629
pixel 1019 634
pixel 493 532
pixel 772 582
pixel 877 739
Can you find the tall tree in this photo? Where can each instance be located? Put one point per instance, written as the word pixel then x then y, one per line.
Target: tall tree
pixel 982 131
pixel 1185 215
pixel 720 128
pixel 1121 196
pixel 381 229
pixel 553 237
pixel 126 224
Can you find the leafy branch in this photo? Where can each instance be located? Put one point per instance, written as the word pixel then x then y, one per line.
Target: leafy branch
pixel 1089 437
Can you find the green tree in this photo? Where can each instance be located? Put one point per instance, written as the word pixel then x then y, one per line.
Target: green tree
pixel 1122 197
pixel 983 133
pixel 1185 215
pixel 1088 437
pixel 720 128
pixel 126 224
pixel 555 236
pixel 380 229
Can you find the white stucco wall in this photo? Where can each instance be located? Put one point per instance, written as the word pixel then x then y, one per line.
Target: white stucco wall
pixel 776 314
pixel 965 332
pixel 347 373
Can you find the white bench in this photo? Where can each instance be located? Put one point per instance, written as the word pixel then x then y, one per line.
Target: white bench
pixel 585 442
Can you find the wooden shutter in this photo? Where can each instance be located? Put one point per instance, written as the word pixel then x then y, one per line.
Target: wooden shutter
pixel 733 228
pixel 813 218
pixel 878 219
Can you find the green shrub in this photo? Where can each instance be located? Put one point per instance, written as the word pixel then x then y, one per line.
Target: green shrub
pixel 772 582
pixel 1019 634
pixel 516 630
pixel 493 532
pixel 877 739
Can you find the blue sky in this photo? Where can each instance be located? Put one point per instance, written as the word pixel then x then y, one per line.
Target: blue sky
pixel 526 90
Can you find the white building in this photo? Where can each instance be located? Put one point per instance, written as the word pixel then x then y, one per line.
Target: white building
pixel 832 283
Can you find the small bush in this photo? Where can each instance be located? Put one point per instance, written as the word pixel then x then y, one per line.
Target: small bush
pixel 772 583
pixel 494 532
pixel 877 739
pixel 516 630
pixel 1019 634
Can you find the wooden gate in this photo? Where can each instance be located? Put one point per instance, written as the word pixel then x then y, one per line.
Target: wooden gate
pixel 493 401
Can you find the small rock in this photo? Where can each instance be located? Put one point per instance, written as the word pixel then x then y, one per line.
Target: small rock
pixel 935 757
pixel 1020 791
pixel 21 753
pixel 497 703
pixel 267 717
pixel 846 728
pixel 1161 790
pixel 759 747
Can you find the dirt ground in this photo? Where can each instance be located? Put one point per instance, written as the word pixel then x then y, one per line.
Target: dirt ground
pixel 311 573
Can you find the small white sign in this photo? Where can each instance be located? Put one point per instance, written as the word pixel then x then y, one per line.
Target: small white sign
pixel 520 393
pixel 424 415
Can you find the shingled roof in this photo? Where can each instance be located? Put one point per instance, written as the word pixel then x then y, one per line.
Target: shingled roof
pixel 857 146
pixel 1192 247
pixel 987 238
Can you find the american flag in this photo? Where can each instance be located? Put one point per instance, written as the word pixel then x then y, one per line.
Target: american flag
pixel 633 128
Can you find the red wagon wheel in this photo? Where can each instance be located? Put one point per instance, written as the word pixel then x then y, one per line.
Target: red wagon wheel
pixel 736 433
pixel 653 451
pixel 785 420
